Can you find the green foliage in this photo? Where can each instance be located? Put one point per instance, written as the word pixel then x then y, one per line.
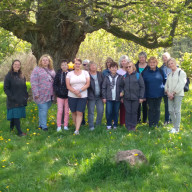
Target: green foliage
pixel 10 44
pixel 99 45
pixel 51 161
pixel 186 64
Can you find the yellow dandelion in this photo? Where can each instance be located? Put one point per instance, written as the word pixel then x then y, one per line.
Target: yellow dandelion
pixel 1 138
pixel 179 138
pixel 39 128
pixel 9 139
pixel 135 154
pixel 3 160
pixel 53 123
pixel 12 162
pixel 27 129
pixel 34 133
pixel 59 139
pixel 27 143
pixel 3 166
pixel 7 187
pixel 109 132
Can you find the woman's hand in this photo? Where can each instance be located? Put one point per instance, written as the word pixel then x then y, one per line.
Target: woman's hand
pixel 104 100
pixel 37 97
pixel 140 100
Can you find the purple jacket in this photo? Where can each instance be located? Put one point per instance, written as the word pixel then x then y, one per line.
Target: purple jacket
pixel 42 84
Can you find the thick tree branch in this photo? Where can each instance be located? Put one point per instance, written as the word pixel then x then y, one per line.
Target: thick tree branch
pixel 149 41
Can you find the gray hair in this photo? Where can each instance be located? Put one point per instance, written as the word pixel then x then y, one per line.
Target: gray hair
pixel 86 61
pixel 167 55
pixel 122 58
pixel 92 63
pixel 143 54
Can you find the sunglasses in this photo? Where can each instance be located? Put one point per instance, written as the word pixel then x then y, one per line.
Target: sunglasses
pixel 84 64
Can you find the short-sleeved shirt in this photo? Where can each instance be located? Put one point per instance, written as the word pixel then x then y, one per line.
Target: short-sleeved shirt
pixel 77 82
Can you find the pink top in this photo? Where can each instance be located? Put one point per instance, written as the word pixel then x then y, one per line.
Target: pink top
pixel 77 82
pixel 42 84
pixel 121 72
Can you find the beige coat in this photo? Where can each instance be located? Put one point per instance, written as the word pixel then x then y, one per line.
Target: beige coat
pixel 175 82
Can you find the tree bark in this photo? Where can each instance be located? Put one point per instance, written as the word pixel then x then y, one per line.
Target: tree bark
pixel 62 43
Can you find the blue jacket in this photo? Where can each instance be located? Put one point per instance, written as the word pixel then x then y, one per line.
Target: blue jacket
pixel 154 83
pixel 105 72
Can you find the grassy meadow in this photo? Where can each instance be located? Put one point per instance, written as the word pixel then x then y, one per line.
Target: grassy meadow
pixel 51 161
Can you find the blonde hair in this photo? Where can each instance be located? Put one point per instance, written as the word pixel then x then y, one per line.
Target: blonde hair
pixel 153 59
pixel 50 66
pixel 172 59
pixel 133 65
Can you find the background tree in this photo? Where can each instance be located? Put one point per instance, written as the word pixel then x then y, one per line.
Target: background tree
pixel 58 27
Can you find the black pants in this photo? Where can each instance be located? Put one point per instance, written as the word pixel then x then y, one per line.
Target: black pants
pixel 154 110
pixel 144 109
pixel 16 123
pixel 131 108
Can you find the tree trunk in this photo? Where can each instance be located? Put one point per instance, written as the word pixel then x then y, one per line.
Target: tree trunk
pixel 62 43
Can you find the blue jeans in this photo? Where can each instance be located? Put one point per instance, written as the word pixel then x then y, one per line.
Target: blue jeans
pixel 43 110
pixel 112 112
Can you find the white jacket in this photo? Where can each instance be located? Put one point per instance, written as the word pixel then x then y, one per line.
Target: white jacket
pixel 176 82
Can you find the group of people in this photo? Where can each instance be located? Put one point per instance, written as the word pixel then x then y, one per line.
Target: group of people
pixel 129 89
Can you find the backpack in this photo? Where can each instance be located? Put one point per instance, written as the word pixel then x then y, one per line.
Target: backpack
pixel 186 87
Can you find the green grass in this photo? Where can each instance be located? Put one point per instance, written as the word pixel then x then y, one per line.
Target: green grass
pixel 51 161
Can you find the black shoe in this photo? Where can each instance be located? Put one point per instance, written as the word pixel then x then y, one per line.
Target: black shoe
pixel 45 129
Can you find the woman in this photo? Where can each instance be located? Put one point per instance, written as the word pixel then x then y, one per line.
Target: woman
pixel 106 71
pixel 123 62
pixel 134 89
pixel 111 93
pixel 154 79
pixel 167 70
pixel 141 65
pixel 77 82
pixel 174 88
pixel 16 90
pixel 95 96
pixel 42 79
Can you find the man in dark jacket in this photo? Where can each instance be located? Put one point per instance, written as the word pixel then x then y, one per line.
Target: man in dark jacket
pixel 95 96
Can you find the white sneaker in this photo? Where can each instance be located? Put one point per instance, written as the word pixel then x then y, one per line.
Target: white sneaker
pixel 114 127
pixel 91 129
pixel 66 128
pixel 58 129
pixel 108 127
pixel 76 132
pixel 173 130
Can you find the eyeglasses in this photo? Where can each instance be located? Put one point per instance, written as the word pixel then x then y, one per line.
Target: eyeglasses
pixel 128 66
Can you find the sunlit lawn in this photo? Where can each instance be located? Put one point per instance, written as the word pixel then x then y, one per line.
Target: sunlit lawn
pixel 51 161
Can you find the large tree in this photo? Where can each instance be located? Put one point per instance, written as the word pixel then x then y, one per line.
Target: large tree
pixel 58 27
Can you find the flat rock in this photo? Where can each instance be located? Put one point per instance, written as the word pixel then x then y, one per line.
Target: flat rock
pixel 133 157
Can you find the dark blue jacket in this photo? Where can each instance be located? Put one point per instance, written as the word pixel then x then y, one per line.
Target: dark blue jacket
pixel 154 83
pixel 105 72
